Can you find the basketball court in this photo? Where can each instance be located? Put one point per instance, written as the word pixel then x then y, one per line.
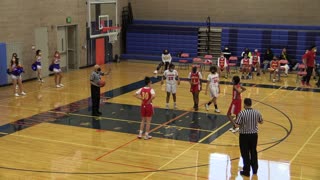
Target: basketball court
pixel 50 133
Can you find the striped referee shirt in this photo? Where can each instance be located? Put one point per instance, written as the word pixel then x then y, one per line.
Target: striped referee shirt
pixel 248 120
pixel 95 78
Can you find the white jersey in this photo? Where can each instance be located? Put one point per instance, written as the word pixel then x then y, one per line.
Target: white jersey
pixel 213 79
pixel 166 58
pixel 171 77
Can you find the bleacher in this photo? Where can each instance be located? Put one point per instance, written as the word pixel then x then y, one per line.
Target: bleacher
pixel 295 41
pixel 147 39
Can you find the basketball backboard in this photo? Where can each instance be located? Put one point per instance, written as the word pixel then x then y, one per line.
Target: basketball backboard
pixel 102 13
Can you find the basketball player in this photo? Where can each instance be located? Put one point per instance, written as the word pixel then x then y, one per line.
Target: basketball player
pixel 38 64
pixel 195 82
pixel 15 70
pixel 222 64
pixel 213 83
pixel 146 95
pixel 245 66
pixel 57 70
pixel 274 68
pixel 235 106
pixel 255 59
pixel 171 76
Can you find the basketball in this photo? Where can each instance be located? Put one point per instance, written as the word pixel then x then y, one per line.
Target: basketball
pixel 102 83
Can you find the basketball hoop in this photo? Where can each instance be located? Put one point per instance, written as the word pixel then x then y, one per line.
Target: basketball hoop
pixel 112 32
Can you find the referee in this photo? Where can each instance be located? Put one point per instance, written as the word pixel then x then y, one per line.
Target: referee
pixel 247 122
pixel 95 90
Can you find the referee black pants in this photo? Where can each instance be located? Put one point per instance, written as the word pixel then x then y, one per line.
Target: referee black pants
pixel 248 149
pixel 95 98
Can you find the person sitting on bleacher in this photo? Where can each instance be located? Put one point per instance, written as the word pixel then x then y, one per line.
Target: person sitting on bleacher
pixel 268 56
pixel 247 52
pixel 274 68
pixel 166 60
pixel 226 52
pixel 293 64
pixel 245 67
pixel 255 59
pixel 223 65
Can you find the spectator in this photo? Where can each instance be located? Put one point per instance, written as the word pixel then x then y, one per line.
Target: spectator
pixel 247 52
pixel 309 60
pixel 267 57
pixel 293 64
pixel 166 60
pixel 226 52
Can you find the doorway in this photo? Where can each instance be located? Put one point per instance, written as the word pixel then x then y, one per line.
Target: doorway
pixel 67 40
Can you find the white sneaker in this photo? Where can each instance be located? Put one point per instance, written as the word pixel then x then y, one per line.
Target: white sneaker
pixel 16 95
pixel 217 110
pixel 175 106
pixel 42 81
pixel 155 72
pixel 58 86
pixel 167 106
pixel 140 136
pixel 61 85
pixel 23 93
pixel 273 80
pixel 146 137
pixel 235 130
pixel 207 107
pixel 231 129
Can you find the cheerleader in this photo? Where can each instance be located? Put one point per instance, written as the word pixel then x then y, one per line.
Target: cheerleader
pixel 57 70
pixel 15 71
pixel 38 64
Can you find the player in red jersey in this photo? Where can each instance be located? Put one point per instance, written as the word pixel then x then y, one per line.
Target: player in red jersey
pixel 223 65
pixel 274 68
pixel 235 106
pixel 245 67
pixel 255 59
pixel 195 82
pixel 146 95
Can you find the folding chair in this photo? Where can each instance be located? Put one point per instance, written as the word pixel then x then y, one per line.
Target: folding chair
pixel 301 72
pixel 233 63
pixel 283 65
pixel 207 61
pixel 199 62
pixel 183 63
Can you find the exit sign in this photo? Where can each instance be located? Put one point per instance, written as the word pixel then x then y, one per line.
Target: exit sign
pixel 68 20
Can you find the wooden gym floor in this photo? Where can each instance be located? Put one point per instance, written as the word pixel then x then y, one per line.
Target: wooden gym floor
pixel 49 134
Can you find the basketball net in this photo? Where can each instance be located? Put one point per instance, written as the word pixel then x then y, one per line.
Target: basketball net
pixel 112 32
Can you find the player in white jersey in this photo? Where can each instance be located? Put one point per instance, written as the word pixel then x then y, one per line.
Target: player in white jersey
pixel 213 84
pixel 172 78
